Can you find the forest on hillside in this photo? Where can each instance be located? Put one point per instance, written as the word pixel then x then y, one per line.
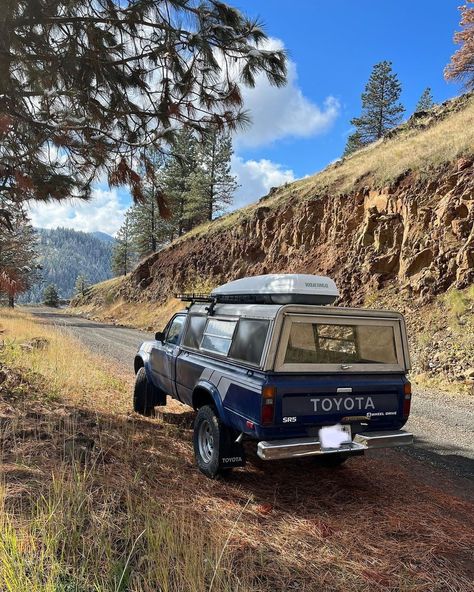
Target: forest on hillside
pixel 63 255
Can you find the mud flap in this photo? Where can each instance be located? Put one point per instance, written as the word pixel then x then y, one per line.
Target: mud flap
pixel 231 453
pixel 159 396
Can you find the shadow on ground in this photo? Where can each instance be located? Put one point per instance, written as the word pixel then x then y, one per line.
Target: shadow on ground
pixel 383 521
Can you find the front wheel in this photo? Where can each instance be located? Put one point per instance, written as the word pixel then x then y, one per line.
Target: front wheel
pixel 143 398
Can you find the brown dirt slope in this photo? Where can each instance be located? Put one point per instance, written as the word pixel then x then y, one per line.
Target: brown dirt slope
pixel 395 218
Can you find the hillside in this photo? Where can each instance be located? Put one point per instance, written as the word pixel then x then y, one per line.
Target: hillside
pixel 65 254
pixel 392 224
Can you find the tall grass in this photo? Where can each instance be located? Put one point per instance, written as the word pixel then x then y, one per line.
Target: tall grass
pixel 86 522
pixel 68 367
pixel 81 537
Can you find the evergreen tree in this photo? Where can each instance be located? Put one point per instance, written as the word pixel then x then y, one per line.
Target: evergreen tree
pixel 149 230
pixel 461 66
pixel 123 255
pixel 63 255
pixel 18 255
pixel 425 102
pixel 50 296
pixel 87 85
pixel 177 180
pixel 381 110
pixel 81 286
pixel 213 185
pixel 353 144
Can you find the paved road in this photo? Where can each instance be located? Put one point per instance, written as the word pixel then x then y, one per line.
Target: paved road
pixel 443 424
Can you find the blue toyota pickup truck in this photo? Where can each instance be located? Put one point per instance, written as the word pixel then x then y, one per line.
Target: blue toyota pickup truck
pixel 268 359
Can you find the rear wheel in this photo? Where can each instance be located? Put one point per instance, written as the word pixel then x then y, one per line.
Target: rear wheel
pixel 210 439
pixel 143 396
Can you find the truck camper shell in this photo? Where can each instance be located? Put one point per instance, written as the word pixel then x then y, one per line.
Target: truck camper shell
pixel 271 359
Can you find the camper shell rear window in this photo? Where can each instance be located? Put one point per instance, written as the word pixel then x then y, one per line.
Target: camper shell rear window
pixel 322 343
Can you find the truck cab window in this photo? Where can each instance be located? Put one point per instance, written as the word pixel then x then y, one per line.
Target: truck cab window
pixel 175 330
pixel 194 331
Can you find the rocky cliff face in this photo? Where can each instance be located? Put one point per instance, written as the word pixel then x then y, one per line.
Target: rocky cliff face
pixel 399 244
pixel 417 232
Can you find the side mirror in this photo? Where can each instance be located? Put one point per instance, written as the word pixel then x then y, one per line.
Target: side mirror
pixel 160 336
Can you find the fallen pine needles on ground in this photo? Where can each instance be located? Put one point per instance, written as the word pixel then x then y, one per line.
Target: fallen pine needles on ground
pixel 97 499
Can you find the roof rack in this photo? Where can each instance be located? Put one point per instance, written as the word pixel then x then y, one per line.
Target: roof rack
pixel 195 297
pixel 226 298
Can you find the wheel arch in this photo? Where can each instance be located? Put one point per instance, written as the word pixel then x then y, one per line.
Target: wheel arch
pixel 138 363
pixel 205 393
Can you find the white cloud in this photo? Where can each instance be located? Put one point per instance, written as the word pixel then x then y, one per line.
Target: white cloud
pixel 276 113
pixel 283 112
pixel 102 212
pixel 256 178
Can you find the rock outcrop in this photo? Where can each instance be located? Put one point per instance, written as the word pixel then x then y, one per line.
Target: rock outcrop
pixel 418 232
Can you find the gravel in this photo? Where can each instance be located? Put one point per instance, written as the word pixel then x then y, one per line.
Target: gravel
pixel 443 424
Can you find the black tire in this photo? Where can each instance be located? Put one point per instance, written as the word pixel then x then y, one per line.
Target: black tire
pixel 143 396
pixel 209 438
pixel 333 460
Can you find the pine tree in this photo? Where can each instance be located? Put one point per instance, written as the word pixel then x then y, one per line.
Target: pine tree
pixel 150 231
pixel 50 296
pixel 177 179
pixel 461 66
pixel 381 110
pixel 123 256
pixel 81 286
pixel 18 255
pixel 425 102
pixel 88 85
pixel 353 144
pixel 213 185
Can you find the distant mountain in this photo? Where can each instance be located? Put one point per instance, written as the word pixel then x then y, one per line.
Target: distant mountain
pixel 67 253
pixel 103 236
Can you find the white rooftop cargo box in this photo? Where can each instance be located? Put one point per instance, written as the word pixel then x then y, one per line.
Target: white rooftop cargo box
pixel 279 288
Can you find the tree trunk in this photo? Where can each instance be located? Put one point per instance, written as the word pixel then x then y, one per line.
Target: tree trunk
pixel 211 188
pixel 153 229
pixel 11 301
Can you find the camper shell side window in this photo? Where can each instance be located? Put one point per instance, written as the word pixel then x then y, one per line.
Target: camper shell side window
pixel 241 340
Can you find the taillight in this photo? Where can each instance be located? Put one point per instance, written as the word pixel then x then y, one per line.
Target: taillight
pixel 268 404
pixel 406 399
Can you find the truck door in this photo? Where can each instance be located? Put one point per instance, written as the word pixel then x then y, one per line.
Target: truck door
pixel 163 357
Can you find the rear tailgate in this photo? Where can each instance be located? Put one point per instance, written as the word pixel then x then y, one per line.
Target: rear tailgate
pixel 323 400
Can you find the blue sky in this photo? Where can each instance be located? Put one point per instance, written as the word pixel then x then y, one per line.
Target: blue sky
pixel 335 45
pixel 299 129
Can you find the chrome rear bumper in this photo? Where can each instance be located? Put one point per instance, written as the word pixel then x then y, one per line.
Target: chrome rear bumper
pixel 293 448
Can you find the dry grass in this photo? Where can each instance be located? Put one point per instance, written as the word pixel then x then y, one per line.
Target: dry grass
pixel 415 150
pixel 104 305
pixel 382 162
pixel 75 512
pixel 69 369
pixel 132 513
pixel 150 316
